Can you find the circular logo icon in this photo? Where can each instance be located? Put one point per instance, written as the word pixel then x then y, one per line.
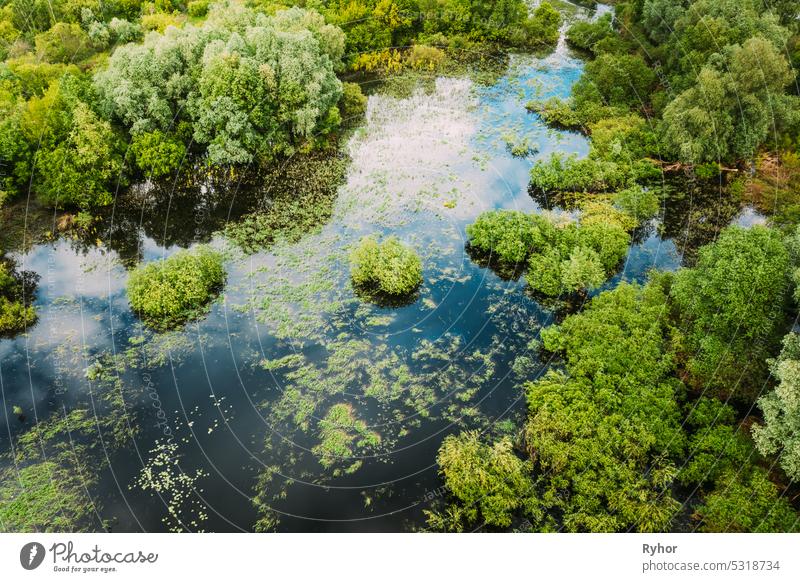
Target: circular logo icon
pixel 31 555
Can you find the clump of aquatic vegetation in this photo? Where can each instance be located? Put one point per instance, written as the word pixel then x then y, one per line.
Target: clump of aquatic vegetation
pixel 299 198
pixel 438 379
pixel 519 146
pixel 385 268
pixel 561 256
pixel 16 294
pixel 508 236
pixel 45 496
pixel 170 291
pixel 342 436
pixel 491 482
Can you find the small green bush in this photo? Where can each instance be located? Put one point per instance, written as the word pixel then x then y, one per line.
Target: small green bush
pixel 168 292
pixel 388 267
pixel 15 315
pixel 510 236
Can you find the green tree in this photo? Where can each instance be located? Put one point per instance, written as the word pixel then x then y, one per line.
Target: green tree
pixel 728 115
pixel 490 483
pixel 16 294
pixel 64 43
pixel 780 433
pixel 156 153
pixel 730 305
pixel 80 171
pixel 606 433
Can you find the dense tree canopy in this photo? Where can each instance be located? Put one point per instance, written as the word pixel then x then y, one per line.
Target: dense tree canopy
pixel 606 433
pixel 617 441
pixel 780 433
pixel 731 304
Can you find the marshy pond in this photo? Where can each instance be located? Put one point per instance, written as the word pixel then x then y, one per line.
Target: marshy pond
pixel 294 404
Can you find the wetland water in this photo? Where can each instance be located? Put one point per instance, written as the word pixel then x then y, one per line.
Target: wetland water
pixel 329 408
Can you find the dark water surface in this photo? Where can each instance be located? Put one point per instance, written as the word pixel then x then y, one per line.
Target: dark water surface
pixel 241 394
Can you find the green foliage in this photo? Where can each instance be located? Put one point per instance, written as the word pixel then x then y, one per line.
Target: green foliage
pixel 638 202
pixel 353 103
pixel 168 292
pixel 508 236
pixel 156 153
pixel 252 86
pixel 749 504
pixel 80 171
pixel 561 258
pixel 389 267
pixel 605 435
pixel 618 80
pixel 198 8
pixel 582 270
pixel 555 112
pixel 716 447
pixel 64 43
pixel 729 113
pixel 44 497
pixel 585 35
pixel 490 482
pixel 506 22
pixel 780 433
pixel 578 258
pixel 48 480
pixel 716 83
pixel 259 95
pixel 341 435
pixel 561 173
pixel 730 305
pixel 16 313
pixel 123 32
pixel 607 239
